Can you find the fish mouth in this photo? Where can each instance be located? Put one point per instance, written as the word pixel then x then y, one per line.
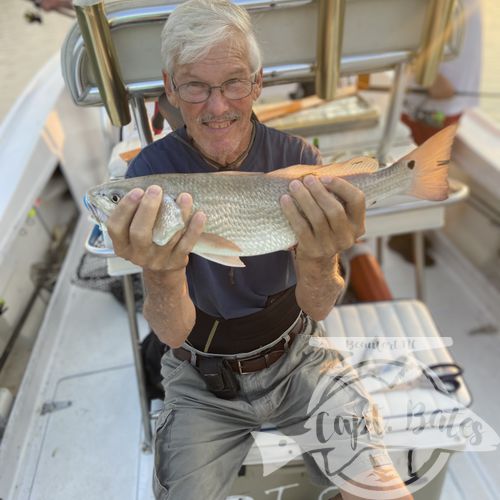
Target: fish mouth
pixel 97 215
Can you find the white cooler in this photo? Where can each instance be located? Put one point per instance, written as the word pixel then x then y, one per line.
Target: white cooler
pixel 393 346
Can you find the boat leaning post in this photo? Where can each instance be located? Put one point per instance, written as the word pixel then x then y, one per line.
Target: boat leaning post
pixel 104 63
pixel 438 30
pixel 103 59
pixel 331 15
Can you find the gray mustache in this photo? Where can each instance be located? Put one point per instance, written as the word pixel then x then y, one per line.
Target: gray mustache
pixel 222 118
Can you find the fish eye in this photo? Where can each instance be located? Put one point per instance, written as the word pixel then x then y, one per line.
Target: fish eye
pixel 115 197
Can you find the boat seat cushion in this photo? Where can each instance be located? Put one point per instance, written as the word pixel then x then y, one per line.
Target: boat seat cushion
pixel 394 345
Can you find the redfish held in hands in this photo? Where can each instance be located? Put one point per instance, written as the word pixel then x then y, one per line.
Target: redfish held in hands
pixel 244 215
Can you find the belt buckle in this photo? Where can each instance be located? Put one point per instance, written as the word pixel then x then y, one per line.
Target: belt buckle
pixel 240 369
pixel 264 356
pixel 239 361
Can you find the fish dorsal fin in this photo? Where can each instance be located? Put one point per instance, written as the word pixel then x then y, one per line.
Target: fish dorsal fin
pixel 295 171
pixel 354 166
pixel 235 172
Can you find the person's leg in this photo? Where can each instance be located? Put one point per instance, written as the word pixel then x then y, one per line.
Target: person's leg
pixel 201 440
pixel 323 406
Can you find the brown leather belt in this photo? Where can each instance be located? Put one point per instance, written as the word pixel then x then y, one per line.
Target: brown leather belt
pixel 254 363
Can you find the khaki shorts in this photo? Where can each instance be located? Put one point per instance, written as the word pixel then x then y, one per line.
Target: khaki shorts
pixel 310 394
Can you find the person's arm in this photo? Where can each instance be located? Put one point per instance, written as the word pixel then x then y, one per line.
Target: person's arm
pixel 442 88
pixel 325 225
pixel 167 307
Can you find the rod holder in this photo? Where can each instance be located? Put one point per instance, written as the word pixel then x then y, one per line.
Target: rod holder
pixel 329 46
pixel 439 16
pixel 101 52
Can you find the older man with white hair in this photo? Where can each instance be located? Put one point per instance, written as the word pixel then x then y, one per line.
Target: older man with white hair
pixel 241 338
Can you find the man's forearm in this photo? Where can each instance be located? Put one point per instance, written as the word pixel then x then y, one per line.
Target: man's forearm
pixel 318 285
pixel 168 308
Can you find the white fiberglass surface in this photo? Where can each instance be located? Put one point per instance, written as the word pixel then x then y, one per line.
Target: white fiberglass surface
pixel 89 445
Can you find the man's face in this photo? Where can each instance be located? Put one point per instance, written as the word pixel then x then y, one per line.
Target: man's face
pixel 220 127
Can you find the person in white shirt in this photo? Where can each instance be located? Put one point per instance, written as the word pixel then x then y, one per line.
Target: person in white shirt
pixel 456 87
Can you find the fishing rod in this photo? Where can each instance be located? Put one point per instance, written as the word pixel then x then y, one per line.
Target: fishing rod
pixel 418 90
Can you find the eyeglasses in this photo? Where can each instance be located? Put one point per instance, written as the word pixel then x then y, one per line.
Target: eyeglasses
pixel 196 92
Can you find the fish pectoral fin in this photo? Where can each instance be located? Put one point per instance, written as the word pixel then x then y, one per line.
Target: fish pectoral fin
pixel 218 249
pixel 354 166
pixel 224 260
pixel 214 244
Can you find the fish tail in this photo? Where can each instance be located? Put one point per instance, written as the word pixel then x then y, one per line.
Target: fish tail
pixel 430 162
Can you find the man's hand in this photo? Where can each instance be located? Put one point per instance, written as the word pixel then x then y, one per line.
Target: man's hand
pixel 130 227
pixel 325 225
pixel 442 88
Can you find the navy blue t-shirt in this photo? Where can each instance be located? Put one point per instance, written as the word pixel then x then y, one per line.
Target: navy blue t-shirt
pixel 216 289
